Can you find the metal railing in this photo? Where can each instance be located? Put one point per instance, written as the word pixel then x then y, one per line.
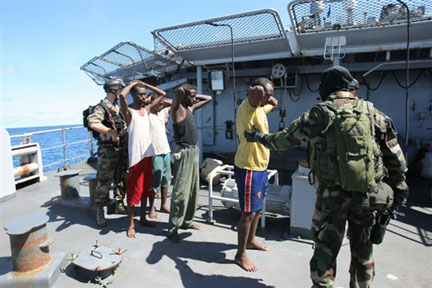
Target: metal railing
pixel 27 139
pixel 249 27
pixel 131 61
pixel 228 170
pixel 312 16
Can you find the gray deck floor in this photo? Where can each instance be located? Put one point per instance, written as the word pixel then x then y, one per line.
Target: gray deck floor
pixel 204 258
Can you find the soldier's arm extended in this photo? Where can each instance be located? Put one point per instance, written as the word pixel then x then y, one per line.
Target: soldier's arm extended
pixel 305 128
pixel 393 157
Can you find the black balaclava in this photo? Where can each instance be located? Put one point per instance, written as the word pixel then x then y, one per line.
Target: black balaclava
pixel 336 78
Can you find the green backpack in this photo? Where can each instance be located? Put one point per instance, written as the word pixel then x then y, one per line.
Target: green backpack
pixel 348 155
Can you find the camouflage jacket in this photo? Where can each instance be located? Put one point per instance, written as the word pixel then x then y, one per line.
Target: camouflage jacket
pixel 313 125
pixel 99 116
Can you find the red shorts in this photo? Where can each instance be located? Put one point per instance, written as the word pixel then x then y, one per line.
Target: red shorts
pixel 140 181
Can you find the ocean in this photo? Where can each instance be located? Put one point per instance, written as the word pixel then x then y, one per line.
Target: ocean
pixel 51 139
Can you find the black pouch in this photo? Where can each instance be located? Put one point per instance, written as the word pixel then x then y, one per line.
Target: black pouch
pixel 379 229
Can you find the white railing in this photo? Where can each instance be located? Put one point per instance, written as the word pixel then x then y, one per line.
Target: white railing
pixel 228 170
pixel 27 139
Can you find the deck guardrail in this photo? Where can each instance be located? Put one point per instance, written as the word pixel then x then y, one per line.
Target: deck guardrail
pixel 27 139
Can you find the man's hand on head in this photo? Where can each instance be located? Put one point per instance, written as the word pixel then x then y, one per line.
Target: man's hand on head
pixel 257 90
pixel 255 95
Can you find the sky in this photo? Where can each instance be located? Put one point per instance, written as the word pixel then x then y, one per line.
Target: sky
pixel 44 44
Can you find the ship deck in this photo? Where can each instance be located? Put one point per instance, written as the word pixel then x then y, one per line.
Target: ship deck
pixel 205 257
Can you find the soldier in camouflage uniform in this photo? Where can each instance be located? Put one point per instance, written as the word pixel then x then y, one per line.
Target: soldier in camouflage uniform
pixel 334 204
pixel 112 150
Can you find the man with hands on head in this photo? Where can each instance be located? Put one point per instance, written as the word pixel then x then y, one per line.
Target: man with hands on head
pixel 140 148
pixel 186 166
pixel 250 170
pixel 162 161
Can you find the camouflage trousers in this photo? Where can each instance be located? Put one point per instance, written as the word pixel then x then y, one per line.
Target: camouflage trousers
pixel 111 167
pixel 333 208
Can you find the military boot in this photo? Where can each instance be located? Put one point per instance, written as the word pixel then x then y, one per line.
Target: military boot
pixel 100 216
pixel 119 207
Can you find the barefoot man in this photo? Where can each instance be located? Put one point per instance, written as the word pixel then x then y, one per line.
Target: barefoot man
pixel 250 170
pixel 162 160
pixel 186 174
pixel 141 150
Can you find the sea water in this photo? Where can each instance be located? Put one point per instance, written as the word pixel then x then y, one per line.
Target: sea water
pixel 52 139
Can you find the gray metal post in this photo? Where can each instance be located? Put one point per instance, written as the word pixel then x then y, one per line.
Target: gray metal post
pixel 336 60
pixel 64 148
pixel 200 116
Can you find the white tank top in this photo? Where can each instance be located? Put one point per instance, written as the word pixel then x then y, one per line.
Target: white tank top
pixel 158 132
pixel 139 145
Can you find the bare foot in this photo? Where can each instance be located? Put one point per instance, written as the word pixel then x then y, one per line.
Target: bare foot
pixel 245 263
pixel 195 227
pixel 165 210
pixel 175 237
pixel 256 245
pixel 157 195
pixel 145 222
pixel 131 232
pixel 153 214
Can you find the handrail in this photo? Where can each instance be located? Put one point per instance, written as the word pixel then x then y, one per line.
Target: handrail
pixel 46 131
pixel 64 145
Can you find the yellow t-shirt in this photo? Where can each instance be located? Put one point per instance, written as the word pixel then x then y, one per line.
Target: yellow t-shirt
pixel 252 155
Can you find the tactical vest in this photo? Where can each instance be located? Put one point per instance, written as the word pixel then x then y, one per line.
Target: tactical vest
pixel 114 121
pixel 347 155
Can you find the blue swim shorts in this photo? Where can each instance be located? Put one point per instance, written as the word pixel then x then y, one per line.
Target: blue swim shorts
pixel 161 171
pixel 252 188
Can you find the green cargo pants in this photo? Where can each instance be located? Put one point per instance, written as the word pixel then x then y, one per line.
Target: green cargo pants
pixel 184 197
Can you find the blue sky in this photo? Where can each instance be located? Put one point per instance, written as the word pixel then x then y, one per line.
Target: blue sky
pixel 44 44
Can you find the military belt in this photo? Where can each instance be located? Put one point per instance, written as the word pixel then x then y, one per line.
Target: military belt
pixel 108 144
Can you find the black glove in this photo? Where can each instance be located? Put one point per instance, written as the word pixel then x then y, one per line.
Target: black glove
pixel 399 200
pixel 253 136
pixel 397 203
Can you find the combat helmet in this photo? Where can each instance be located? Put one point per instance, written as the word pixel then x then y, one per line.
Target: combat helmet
pixel 116 83
pixel 336 78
